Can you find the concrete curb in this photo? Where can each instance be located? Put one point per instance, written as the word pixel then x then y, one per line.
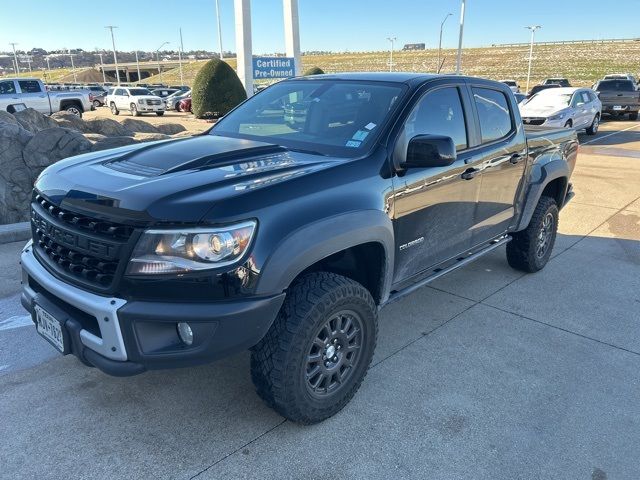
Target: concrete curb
pixel 15 232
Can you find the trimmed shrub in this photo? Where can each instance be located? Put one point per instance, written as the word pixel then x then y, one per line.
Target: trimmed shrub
pixel 313 71
pixel 216 90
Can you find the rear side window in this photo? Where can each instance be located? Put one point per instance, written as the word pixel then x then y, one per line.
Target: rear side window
pixel 29 86
pixel 439 113
pixel 493 112
pixel 7 87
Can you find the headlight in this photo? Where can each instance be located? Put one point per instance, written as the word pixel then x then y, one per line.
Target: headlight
pixel 188 250
pixel 141 101
pixel 560 116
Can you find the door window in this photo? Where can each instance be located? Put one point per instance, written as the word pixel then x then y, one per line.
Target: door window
pixel 494 114
pixel 7 87
pixel 29 86
pixel 585 97
pixel 439 112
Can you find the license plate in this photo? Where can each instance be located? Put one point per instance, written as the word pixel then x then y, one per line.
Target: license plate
pixel 49 328
pixel 617 107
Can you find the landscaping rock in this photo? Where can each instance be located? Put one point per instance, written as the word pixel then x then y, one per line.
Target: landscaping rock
pixel 33 120
pixel 170 128
pixel 108 127
pixel 69 120
pixel 6 117
pixel 16 178
pixel 53 144
pixel 151 137
pixel 112 142
pixel 139 126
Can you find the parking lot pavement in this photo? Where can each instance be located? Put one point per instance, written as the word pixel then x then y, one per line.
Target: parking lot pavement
pixel 486 374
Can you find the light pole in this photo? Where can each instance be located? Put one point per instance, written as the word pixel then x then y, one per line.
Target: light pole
pixel 392 40
pixel 48 65
pixel 115 58
pixel 104 76
pixel 138 66
pixel 158 59
pixel 440 42
pixel 459 61
pixel 219 29
pixel 73 67
pixel 533 29
pixel 180 57
pixel 15 58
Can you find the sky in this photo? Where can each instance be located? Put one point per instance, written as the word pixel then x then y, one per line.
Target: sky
pixel 333 25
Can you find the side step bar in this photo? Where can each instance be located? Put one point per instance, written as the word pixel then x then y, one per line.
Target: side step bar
pixel 437 273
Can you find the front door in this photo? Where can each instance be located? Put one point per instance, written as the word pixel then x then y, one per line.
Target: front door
pixel 503 155
pixel 434 207
pixel 33 96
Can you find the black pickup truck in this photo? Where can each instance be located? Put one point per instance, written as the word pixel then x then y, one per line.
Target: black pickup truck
pixel 287 235
pixel 619 97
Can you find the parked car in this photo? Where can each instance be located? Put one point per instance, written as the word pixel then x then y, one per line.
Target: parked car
pixel 20 93
pixel 171 102
pixel 513 85
pixel 520 97
pixel 619 97
pixel 577 108
pixel 183 88
pixel 184 105
pixel 136 100
pixel 163 92
pixel 539 88
pixel 562 82
pixel 177 253
pixel 98 99
pixel 621 76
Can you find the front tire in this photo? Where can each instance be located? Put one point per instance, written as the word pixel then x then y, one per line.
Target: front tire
pixel 159 114
pixel 530 249
pixel 314 357
pixel 134 110
pixel 593 129
pixel 114 109
pixel 633 116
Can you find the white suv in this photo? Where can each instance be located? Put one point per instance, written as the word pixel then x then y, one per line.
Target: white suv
pixel 136 100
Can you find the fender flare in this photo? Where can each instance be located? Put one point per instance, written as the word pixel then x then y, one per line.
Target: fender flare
pixel 318 240
pixel 539 177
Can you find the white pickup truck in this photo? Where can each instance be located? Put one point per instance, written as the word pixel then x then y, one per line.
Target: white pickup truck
pixel 20 93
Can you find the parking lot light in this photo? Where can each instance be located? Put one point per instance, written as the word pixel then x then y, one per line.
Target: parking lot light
pixel 533 29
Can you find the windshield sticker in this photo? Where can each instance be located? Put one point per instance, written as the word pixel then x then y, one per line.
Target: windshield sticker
pixel 353 143
pixel 360 135
pixel 370 126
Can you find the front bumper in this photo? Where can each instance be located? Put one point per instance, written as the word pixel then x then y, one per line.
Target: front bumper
pixel 125 338
pixel 150 108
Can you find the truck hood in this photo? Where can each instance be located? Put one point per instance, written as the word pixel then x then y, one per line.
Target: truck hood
pixel 171 181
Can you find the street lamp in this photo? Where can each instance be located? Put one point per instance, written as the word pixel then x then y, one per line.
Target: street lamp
pixel 115 58
pixel 104 77
pixel 459 61
pixel 180 57
pixel 138 66
pixel 15 58
pixel 47 58
pixel 391 39
pixel 219 30
pixel 73 67
pixel 158 59
pixel 440 42
pixel 533 29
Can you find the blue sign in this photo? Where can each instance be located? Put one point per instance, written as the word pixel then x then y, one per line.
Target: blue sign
pixel 273 67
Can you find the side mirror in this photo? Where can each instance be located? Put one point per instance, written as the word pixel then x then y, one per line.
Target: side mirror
pixel 430 151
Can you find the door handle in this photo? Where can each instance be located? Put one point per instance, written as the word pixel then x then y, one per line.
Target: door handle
pixel 515 159
pixel 470 173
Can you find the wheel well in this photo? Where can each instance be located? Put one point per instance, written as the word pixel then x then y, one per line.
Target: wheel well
pixel 67 103
pixel 363 263
pixel 556 189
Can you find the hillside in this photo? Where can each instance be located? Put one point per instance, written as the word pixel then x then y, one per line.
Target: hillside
pixel 582 63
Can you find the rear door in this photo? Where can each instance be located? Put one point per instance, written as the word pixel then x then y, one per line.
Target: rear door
pixel 8 94
pixel 434 208
pixel 34 96
pixel 122 99
pixel 502 151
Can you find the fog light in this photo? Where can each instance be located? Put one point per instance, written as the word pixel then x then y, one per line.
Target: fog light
pixel 185 333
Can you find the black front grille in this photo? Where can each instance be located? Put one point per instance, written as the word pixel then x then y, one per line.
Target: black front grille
pixel 533 120
pixel 83 248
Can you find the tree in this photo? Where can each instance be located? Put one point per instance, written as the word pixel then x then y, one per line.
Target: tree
pixel 313 71
pixel 216 90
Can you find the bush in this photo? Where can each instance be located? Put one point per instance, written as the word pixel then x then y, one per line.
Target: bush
pixel 216 90
pixel 313 71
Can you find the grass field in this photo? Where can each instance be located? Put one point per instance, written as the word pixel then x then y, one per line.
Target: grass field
pixel 581 63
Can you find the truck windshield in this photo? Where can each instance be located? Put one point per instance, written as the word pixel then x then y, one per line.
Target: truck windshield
pixel 135 92
pixel 329 117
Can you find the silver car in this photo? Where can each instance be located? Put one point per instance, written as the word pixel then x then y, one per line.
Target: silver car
pixel 569 107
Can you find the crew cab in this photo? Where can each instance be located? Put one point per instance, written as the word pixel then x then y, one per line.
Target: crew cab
pixel 619 97
pixel 287 239
pixel 135 99
pixel 21 93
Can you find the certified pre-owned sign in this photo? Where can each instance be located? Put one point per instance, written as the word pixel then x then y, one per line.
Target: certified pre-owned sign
pixel 273 67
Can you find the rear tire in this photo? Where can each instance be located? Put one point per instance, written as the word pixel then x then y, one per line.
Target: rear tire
pixel 314 357
pixel 134 110
pixel 96 103
pixel 74 109
pixel 114 109
pixel 593 129
pixel 633 116
pixel 530 249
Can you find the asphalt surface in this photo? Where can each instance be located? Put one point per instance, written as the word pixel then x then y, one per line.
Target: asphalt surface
pixel 486 374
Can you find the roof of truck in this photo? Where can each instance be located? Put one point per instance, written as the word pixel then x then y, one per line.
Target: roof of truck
pixel 400 77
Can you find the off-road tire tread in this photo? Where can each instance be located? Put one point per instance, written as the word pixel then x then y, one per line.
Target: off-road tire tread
pixel 273 357
pixel 521 249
